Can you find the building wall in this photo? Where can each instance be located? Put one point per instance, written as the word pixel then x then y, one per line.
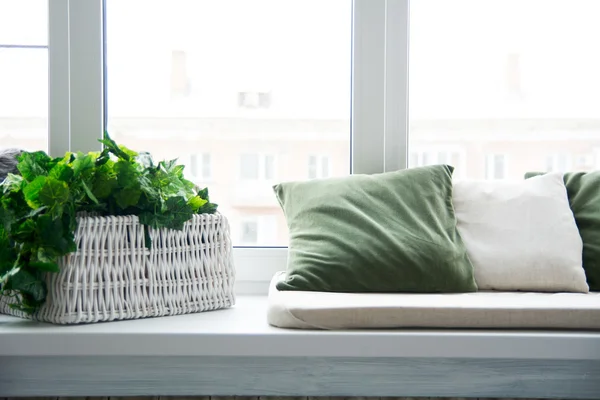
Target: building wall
pixel 250 204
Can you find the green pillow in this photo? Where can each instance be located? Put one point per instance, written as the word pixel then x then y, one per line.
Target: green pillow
pixel 390 232
pixel 583 189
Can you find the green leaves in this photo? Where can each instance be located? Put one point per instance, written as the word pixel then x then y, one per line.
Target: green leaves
pixel 27 283
pixel 32 165
pixel 24 231
pixel 105 181
pixel 54 194
pixel 44 266
pixel 120 152
pixel 127 174
pixel 62 172
pixel 8 254
pixel 196 203
pixel 127 197
pixel 38 208
pixel 176 214
pixel 83 163
pixel 208 207
pixel 51 234
pixel 32 191
pixel 46 191
pixel 13 183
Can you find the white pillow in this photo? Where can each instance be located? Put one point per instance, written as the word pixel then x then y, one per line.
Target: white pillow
pixel 521 235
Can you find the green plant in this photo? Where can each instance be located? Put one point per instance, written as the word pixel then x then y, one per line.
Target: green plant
pixel 38 208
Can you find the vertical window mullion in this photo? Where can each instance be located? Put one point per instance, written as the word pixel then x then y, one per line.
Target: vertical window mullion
pixel 396 84
pixel 58 77
pixel 86 66
pixel 368 84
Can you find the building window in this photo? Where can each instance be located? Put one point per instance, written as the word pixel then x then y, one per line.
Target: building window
pixel 254 99
pixel 433 157
pixel 249 233
pixel 584 162
pixel 258 229
pixel 198 167
pixel 249 167
pixel 495 166
pixel 255 167
pixel 558 163
pixel 318 167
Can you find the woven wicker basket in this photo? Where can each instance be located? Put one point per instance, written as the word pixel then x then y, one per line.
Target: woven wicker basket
pixel 113 276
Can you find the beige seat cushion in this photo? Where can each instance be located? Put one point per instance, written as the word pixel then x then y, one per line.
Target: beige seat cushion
pixel 525 310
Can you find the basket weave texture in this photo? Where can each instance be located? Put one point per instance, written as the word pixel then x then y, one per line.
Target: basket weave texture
pixel 113 276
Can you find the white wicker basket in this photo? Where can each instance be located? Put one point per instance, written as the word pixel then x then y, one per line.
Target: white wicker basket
pixel 113 276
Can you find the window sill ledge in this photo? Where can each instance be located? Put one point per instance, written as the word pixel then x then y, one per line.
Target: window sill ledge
pixel 235 352
pixel 243 331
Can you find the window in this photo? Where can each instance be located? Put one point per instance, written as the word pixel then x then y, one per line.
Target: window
pixel 495 166
pixel 273 92
pixel 497 77
pixel 422 158
pixel 558 163
pixel 249 232
pixel 254 99
pixel 24 74
pixel 318 167
pixel 450 155
pixel 242 84
pixel 257 229
pixel 198 167
pixel 584 161
pixel 249 166
pixel 254 167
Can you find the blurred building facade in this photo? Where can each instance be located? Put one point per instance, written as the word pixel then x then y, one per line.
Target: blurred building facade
pixel 247 94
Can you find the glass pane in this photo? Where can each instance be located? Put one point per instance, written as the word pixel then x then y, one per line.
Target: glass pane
pixel 243 81
pixel 24 98
pixel 512 77
pixel 24 22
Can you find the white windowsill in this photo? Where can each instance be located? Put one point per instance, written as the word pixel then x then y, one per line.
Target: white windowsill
pixel 242 331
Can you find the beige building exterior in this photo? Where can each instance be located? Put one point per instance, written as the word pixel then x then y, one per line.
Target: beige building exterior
pixel 240 160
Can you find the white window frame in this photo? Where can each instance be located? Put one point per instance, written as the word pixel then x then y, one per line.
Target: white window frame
pixel 379 99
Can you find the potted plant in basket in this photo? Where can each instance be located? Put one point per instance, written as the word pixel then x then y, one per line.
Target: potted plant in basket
pixel 109 235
